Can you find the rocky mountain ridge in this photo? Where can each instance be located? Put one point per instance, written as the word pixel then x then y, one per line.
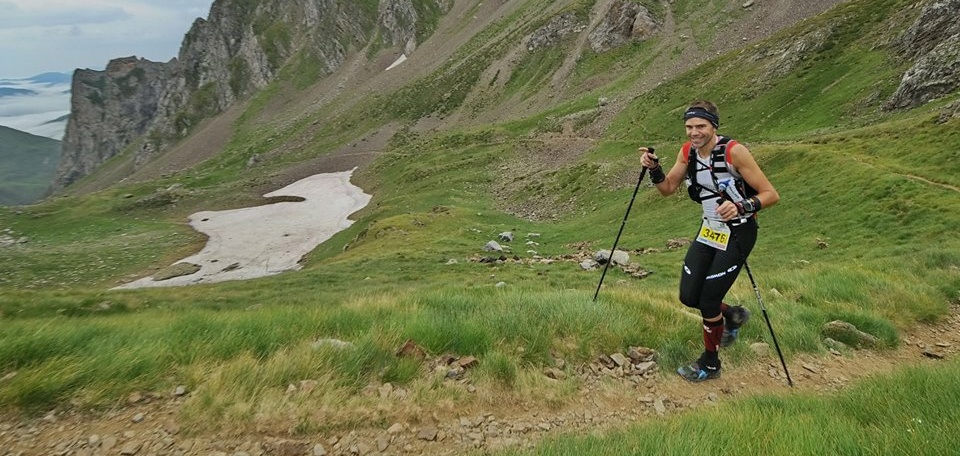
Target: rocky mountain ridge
pixel 237 51
pixel 143 108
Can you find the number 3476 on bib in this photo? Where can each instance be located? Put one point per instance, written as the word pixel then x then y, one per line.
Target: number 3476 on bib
pixel 716 235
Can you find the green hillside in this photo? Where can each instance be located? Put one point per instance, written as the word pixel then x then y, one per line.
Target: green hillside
pixel 862 234
pixel 27 165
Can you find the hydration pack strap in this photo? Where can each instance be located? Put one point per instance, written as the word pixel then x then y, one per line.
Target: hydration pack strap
pixel 717 162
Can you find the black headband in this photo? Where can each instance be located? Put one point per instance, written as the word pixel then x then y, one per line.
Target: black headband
pixel 703 114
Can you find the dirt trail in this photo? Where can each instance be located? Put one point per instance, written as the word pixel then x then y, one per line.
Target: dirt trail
pixel 930 182
pixel 149 425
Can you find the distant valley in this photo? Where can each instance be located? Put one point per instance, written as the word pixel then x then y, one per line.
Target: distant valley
pixel 27 165
pixel 39 105
pixel 33 118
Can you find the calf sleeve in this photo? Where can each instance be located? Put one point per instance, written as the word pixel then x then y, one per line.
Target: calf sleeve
pixel 712 332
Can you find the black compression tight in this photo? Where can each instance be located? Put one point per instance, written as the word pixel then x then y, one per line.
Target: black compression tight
pixel 708 273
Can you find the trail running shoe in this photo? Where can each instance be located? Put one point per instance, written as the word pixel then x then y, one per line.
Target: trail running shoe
pixel 734 317
pixel 695 373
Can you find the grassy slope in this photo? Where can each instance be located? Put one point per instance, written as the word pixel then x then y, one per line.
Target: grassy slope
pixel 27 165
pixel 847 174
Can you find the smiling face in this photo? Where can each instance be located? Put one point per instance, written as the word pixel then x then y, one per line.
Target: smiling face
pixel 700 132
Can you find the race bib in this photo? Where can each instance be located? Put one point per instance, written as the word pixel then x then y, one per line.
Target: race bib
pixel 714 233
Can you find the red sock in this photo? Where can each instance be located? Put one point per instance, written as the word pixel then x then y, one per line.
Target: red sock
pixel 712 332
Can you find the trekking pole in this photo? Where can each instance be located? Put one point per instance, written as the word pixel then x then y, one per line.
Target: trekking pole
pixel 624 222
pixel 763 310
pixel 735 196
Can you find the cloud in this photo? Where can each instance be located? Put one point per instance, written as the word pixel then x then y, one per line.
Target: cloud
pixel 38 112
pixel 14 16
pixel 61 35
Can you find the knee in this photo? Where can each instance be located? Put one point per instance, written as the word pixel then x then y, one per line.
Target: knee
pixel 709 312
pixel 690 300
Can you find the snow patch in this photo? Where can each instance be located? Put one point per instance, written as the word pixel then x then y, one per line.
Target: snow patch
pixel 260 241
pixel 401 59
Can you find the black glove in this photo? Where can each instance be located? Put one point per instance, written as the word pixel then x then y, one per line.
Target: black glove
pixel 656 172
pixel 748 206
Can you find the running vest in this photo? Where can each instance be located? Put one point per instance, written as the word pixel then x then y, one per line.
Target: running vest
pixel 703 176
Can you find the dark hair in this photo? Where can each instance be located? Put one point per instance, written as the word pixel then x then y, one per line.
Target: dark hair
pixel 705 104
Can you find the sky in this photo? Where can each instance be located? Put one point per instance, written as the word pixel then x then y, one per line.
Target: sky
pixel 39 36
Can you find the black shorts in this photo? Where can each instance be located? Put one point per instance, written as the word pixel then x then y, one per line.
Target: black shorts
pixel 708 273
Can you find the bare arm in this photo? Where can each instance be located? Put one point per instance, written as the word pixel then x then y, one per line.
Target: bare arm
pixel 751 172
pixel 748 168
pixel 673 178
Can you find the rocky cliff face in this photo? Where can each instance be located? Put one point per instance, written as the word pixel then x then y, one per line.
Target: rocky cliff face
pixel 624 22
pixel 932 43
pixel 110 109
pixel 240 48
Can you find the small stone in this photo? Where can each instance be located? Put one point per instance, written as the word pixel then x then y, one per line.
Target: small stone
pixel 645 367
pixel 761 349
pixel 834 344
pixel 176 270
pixel 554 373
pixel 108 443
pixel 468 361
pixel 385 390
pixel 641 354
pixel 429 434
pixel 850 335
pixel 410 349
pixel 131 448
pixel 619 359
pixel 492 246
pixel 659 406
